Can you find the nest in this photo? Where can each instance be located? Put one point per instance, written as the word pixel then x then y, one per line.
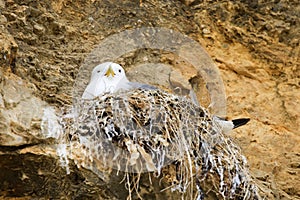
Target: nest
pixel 142 131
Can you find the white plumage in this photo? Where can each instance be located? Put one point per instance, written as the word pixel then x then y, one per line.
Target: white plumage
pixel 106 77
pixel 109 77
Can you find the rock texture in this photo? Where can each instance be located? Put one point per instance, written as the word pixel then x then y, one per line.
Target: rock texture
pixel 42 45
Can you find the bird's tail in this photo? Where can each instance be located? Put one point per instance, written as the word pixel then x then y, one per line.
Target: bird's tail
pixel 240 122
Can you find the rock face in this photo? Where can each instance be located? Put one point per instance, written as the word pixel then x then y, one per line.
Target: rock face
pixel 255 45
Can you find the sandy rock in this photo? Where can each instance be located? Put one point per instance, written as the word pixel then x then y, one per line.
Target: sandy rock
pixel 38 29
pixel 188 2
pixel 2 4
pixel 177 80
pixel 153 74
pixel 9 48
pixel 21 112
pixel 3 20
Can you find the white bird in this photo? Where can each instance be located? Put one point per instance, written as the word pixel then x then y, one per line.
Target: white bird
pixel 228 125
pixel 109 77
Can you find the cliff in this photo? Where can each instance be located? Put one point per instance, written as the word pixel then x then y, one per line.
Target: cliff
pixel 255 45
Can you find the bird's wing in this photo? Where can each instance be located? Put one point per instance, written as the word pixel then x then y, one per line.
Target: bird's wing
pixel 240 122
pixel 142 86
pixel 228 125
pixel 136 85
pixel 94 88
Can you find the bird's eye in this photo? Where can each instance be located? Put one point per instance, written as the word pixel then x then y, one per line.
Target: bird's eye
pixel 98 71
pixel 120 70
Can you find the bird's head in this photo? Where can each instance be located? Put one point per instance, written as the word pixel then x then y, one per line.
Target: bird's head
pixel 109 71
pixel 106 77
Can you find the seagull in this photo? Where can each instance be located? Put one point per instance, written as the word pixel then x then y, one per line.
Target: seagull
pixel 109 77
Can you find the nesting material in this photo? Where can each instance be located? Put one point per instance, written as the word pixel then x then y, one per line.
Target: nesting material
pixel 140 131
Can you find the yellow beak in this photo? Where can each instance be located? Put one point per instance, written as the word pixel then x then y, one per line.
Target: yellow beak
pixel 109 72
